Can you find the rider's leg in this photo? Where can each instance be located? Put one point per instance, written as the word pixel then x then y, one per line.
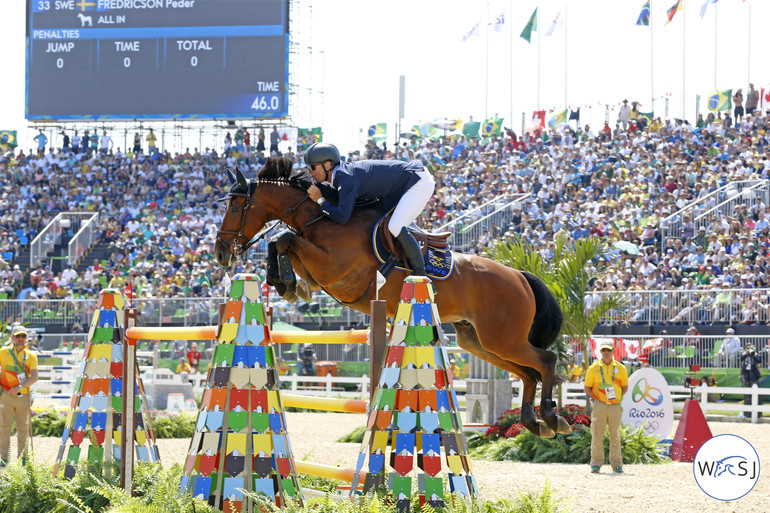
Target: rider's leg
pixel 411 204
pixel 412 251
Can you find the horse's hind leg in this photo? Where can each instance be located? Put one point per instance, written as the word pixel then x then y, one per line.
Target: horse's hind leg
pixel 468 340
pixel 521 352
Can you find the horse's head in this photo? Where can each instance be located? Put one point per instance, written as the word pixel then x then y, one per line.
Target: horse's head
pixel 235 233
pixel 252 203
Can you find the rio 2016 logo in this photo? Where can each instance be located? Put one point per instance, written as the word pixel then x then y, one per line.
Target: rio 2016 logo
pixel 726 467
pixel 643 391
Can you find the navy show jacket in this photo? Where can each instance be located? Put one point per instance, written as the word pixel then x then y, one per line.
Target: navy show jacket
pixel 387 180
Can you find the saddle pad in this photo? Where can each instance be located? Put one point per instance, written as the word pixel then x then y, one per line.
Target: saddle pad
pixel 439 264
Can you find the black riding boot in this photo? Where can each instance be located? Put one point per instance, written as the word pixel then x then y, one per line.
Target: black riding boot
pixel 413 254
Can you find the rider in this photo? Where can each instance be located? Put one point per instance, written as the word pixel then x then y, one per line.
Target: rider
pixel 406 185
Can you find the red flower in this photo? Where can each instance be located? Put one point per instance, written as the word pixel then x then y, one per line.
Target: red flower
pixel 514 430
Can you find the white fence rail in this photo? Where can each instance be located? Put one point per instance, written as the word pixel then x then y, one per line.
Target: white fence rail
pixel 574 393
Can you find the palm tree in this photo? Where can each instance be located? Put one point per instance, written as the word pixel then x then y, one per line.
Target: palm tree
pixel 574 266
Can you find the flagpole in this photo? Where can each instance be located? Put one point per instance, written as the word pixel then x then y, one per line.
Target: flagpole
pixel 538 56
pixel 684 59
pixel 510 60
pixel 486 80
pixel 716 17
pixel 566 22
pixel 652 79
pixel 748 67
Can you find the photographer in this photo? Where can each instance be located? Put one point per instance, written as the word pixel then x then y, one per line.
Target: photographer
pixel 750 375
pixel 307 360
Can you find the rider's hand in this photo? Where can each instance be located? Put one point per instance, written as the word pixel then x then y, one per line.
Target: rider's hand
pixel 314 193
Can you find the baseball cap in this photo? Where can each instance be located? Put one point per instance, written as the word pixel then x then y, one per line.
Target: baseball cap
pixel 730 331
pixel 17 330
pixel 607 345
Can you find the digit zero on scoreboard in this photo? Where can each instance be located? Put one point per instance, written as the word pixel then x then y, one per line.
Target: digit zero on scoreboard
pixel 161 59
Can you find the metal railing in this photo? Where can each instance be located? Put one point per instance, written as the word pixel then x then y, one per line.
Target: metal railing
pixel 678 350
pixel 703 211
pixel 469 227
pixel 172 311
pixel 51 235
pixel 736 194
pixel 694 306
pixel 82 241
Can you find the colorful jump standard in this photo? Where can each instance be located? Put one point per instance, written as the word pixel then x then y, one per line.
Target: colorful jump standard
pixel 415 390
pixel 241 440
pixel 97 401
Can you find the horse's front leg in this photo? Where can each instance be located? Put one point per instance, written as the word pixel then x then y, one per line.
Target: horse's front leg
pixel 285 268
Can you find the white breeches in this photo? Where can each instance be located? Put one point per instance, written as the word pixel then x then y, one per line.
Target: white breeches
pixel 412 203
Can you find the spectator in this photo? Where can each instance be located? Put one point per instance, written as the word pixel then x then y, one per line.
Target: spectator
pixel 729 352
pixel 194 356
pixel 183 366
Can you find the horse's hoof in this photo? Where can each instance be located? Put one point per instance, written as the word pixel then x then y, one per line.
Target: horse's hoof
pixel 563 426
pixel 545 431
pixel 303 290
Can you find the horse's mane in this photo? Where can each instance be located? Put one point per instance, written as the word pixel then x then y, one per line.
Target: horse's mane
pixel 281 170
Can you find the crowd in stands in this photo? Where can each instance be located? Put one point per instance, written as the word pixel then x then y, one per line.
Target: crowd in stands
pixel 617 182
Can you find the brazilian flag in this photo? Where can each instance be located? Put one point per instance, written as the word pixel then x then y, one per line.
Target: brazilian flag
pixel 491 127
pixel 378 132
pixel 721 100
pixel 8 140
pixel 647 116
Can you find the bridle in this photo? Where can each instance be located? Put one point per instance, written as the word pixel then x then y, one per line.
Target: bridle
pixel 239 244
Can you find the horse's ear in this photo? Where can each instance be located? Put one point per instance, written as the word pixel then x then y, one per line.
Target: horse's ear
pixel 243 183
pixel 231 175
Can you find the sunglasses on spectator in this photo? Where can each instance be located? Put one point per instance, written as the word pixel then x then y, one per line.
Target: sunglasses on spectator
pixel 21 335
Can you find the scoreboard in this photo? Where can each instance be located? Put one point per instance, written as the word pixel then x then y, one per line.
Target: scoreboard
pixel 157 59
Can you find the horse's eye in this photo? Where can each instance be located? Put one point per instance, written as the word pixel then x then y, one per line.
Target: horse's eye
pixel 235 210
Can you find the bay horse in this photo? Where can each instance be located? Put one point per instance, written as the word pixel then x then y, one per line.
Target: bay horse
pixel 504 316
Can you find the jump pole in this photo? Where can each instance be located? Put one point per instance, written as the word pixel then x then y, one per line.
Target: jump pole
pixel 127 434
pixel 279 337
pixel 324 403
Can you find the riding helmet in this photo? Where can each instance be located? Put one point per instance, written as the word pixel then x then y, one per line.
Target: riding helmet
pixel 320 152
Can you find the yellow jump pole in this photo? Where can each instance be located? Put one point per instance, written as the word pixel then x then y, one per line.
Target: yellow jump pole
pixel 327 471
pixel 324 403
pixel 279 337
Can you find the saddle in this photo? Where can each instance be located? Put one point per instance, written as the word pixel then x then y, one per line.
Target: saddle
pixel 437 241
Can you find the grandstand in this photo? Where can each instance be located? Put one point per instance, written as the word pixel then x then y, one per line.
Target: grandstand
pixel 686 206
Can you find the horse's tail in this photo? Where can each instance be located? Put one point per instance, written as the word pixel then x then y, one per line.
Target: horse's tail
pixel 548 316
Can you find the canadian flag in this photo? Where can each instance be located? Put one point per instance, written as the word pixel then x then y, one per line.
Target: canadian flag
pixel 764 96
pixel 128 290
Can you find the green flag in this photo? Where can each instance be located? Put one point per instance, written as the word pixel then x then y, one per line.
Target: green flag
pixel 471 129
pixel 317 134
pixel 378 132
pixel 530 27
pixel 7 140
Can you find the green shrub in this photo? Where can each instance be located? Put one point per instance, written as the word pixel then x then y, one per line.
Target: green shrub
pixel 174 425
pixel 50 422
pixel 572 448
pixel 354 437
